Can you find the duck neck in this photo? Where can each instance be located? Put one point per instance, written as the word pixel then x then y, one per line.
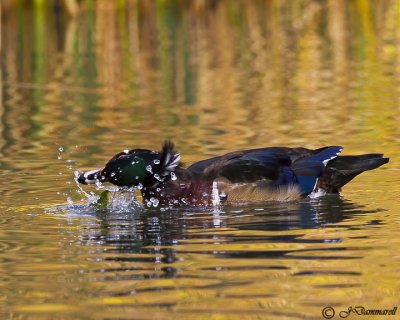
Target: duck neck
pixel 183 190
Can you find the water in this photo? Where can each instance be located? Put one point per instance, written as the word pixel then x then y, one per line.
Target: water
pixel 214 77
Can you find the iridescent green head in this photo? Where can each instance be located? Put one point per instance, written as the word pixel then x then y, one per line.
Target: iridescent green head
pixel 136 168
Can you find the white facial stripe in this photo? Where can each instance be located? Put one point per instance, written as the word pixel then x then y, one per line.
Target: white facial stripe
pixel 87 174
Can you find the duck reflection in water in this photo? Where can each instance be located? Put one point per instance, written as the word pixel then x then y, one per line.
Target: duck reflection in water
pixel 156 235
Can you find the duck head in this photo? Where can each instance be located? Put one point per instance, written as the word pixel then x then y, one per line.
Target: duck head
pixel 136 168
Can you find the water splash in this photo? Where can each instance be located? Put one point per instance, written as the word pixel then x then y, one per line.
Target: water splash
pixel 112 198
pixel 91 197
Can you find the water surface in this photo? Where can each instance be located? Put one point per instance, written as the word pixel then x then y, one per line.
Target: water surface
pixel 214 77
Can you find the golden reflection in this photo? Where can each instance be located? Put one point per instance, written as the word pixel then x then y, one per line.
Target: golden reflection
pixel 267 72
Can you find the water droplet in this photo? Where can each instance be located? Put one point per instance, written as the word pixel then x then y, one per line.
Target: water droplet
pixel 140 186
pixel 154 202
pixel 70 164
pixel 60 150
pixel 98 184
pixel 156 161
pixel 158 177
pixel 70 202
pixel 149 169
pixel 173 176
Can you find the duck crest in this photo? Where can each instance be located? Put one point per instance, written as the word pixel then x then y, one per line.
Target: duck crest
pixel 170 159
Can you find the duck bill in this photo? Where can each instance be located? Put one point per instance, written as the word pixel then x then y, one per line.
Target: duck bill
pixel 91 177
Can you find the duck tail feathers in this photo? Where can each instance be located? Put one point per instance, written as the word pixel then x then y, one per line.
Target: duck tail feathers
pixel 343 169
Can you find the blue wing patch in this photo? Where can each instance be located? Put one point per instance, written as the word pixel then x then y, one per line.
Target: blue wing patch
pixel 286 176
pixel 309 169
pixel 326 155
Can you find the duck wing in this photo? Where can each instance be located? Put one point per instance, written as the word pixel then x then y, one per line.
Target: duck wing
pixel 276 166
pixel 246 166
pixel 294 154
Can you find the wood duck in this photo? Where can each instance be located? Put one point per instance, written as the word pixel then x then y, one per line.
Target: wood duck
pixel 255 175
